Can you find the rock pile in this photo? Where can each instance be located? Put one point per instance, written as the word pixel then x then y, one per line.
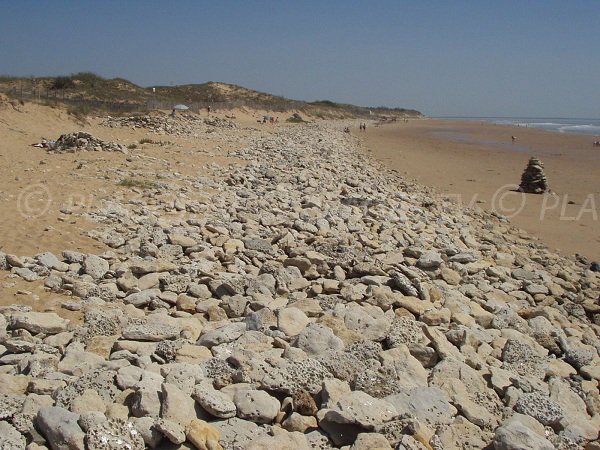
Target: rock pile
pixel 82 142
pixel 180 124
pixel 533 180
pixel 312 302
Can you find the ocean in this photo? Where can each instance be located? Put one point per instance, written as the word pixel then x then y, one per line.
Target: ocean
pixel 560 125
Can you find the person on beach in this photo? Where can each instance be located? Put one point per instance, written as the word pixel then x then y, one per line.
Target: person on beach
pixel 513 138
pixel 208 110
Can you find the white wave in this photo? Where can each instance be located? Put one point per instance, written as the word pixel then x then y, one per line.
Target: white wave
pixel 584 129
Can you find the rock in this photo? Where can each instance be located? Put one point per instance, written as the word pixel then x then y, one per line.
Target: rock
pixel 183 241
pixel 214 402
pixel 60 428
pixel 176 405
pixel 256 406
pixel 173 431
pixel 10 438
pixel 114 434
pixel 428 405
pixel 49 260
pixel 540 407
pixel 203 435
pixel 430 260
pixel 38 322
pixel 237 433
pixel 153 331
pixel 95 266
pixel 281 439
pixel 315 339
pixel 403 284
pixel 370 441
pixel 513 435
pixel 291 321
pixel 359 408
pixel 225 334
pixel 25 273
pixel 298 422
pixel 304 403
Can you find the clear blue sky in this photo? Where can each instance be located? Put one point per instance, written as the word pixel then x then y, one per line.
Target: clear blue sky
pixel 478 57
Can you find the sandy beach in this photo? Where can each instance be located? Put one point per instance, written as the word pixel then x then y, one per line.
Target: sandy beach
pixel 479 165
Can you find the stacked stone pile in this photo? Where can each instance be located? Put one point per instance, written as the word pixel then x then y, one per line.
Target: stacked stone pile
pixel 314 301
pixel 533 180
pixel 82 142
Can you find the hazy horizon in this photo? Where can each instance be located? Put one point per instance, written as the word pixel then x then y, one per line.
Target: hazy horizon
pixel 470 59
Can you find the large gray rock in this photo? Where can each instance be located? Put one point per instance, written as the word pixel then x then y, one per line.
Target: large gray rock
pixel 95 266
pixel 225 334
pixel 215 402
pixel 539 406
pixel 291 321
pixel 256 406
pixel 38 322
pixel 60 428
pixel 359 408
pixel 152 330
pixel 10 438
pixel 515 435
pixel 316 339
pixel 49 260
pixel 177 405
pixel 428 405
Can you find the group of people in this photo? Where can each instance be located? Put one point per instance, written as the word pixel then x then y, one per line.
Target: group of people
pixel 363 127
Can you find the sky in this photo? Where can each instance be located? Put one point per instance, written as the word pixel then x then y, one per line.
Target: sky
pixel 526 58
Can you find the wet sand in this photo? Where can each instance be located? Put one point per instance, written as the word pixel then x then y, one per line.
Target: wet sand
pixel 480 166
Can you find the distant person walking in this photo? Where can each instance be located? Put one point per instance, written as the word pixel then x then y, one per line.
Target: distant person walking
pixel 208 110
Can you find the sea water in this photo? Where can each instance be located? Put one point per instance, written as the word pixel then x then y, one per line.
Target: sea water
pixel 561 125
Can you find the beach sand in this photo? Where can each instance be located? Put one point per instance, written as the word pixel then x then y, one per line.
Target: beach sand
pixel 479 165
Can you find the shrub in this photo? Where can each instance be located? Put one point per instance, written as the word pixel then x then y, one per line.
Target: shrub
pixel 80 111
pixel 62 83
pixel 143 184
pixel 296 118
pixel 131 146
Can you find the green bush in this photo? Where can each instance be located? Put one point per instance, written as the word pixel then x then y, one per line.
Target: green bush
pixel 143 184
pixel 62 83
pixel 296 118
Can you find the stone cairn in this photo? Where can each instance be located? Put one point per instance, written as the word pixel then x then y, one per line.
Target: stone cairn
pixel 533 180
pixel 81 141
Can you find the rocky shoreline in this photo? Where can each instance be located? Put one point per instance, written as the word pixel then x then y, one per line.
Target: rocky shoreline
pixel 312 300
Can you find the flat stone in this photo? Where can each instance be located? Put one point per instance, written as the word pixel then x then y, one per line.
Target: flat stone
pixel 316 338
pixel 38 322
pixel 95 266
pixel 213 401
pixel 291 321
pixel 60 428
pixel 256 406
pixel 361 409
